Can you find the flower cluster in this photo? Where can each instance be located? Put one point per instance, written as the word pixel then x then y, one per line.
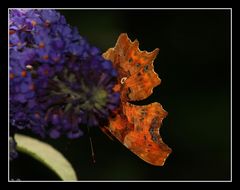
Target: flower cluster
pixel 58 81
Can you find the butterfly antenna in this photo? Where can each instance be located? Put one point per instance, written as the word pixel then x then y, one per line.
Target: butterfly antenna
pixel 91 144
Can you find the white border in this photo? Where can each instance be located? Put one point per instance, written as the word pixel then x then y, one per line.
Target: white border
pixel 130 180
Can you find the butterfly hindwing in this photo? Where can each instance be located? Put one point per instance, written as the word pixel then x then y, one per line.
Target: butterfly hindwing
pixel 138 130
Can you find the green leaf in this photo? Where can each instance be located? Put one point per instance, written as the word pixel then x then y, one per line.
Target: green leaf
pixel 47 155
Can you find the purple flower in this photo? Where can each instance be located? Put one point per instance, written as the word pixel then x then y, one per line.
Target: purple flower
pixel 58 81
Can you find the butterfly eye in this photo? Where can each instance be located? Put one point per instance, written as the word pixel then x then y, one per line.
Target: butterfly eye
pixel 123 80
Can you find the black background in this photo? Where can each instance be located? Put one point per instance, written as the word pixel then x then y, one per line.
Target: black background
pixel 194 65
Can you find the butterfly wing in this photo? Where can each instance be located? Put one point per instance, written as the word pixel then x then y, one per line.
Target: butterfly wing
pixel 134 65
pixel 138 129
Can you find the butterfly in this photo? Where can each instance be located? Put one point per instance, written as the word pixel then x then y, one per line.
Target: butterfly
pixel 137 127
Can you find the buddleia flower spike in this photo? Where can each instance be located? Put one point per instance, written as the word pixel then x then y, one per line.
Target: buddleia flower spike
pixel 58 81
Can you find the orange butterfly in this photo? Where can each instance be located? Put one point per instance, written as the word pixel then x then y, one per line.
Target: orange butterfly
pixel 137 127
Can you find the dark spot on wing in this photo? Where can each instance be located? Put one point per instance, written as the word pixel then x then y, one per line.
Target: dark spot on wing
pixel 138 64
pixel 154 130
pixel 145 138
pixel 138 128
pixel 143 112
pixel 146 68
pixel 128 92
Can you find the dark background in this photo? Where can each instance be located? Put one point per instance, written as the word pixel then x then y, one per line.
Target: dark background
pixel 194 65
